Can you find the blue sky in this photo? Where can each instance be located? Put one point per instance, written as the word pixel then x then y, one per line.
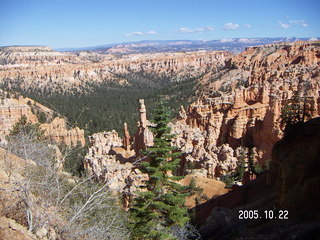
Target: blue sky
pixel 80 23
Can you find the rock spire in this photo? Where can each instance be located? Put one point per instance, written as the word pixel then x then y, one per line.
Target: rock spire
pixel 143 137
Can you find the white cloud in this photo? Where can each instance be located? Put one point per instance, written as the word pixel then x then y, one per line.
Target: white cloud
pixel 195 30
pixel 151 32
pixel 313 39
pixel 204 29
pixel 184 30
pixel 248 25
pixel 134 34
pixel 299 22
pixel 231 26
pixel 283 25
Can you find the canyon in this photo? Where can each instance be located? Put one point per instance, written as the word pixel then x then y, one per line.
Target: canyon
pixel 237 114
pixel 253 90
pixel 215 133
pixel 43 68
pixel 238 119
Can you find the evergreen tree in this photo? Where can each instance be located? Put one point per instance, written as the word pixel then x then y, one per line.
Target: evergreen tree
pixel 291 112
pixel 159 206
pixel 25 127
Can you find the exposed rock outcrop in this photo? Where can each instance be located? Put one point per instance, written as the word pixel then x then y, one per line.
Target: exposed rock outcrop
pixel 13 219
pixel 126 138
pixel 40 67
pixel 108 160
pixel 291 185
pixel 254 87
pixel 58 131
pixel 12 109
pixel 215 133
pixel 210 188
pixel 10 229
pixel 111 159
pixel 143 137
pixel 295 166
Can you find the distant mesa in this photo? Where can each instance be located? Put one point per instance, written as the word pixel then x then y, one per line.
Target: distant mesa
pixel 235 45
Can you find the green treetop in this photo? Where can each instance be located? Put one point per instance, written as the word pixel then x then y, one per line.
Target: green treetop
pixel 23 126
pixel 159 206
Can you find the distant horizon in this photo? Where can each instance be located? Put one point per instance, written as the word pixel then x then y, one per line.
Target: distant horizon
pixel 168 40
pixel 80 23
pixel 316 38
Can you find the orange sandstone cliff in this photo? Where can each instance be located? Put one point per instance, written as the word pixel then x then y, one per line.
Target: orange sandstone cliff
pixel 13 108
pixel 239 108
pixel 41 67
pixel 238 112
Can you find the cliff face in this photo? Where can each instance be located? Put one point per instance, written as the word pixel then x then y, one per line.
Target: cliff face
pixel 295 166
pixel 40 67
pixel 291 184
pixel 12 109
pixel 109 160
pixel 253 87
pixel 216 132
pixel 13 221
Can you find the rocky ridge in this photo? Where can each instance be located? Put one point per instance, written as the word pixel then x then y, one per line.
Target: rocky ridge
pixel 217 132
pixel 41 68
pixel 112 159
pixel 12 108
pixel 237 114
pixel 254 87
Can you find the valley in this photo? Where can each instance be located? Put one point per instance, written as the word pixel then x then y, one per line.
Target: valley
pixel 233 116
pixel 94 80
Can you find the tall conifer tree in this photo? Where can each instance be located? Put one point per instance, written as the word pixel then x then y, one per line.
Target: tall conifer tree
pixel 159 205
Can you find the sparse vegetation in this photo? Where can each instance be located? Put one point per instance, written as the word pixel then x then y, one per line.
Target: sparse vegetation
pixel 27 128
pixel 293 112
pixel 228 179
pixel 77 208
pixel 242 82
pixel 73 158
pixel 226 88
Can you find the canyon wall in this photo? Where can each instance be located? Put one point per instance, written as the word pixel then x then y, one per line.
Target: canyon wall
pixel 113 159
pixel 109 160
pixel 41 68
pixel 239 108
pixel 238 113
pixel 291 185
pixel 12 108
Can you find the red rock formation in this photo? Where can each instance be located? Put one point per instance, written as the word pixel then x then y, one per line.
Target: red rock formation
pixel 254 86
pixel 40 66
pixel 58 131
pixel 108 161
pixel 12 109
pixel 257 85
pixel 291 185
pixel 127 138
pixel 143 137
